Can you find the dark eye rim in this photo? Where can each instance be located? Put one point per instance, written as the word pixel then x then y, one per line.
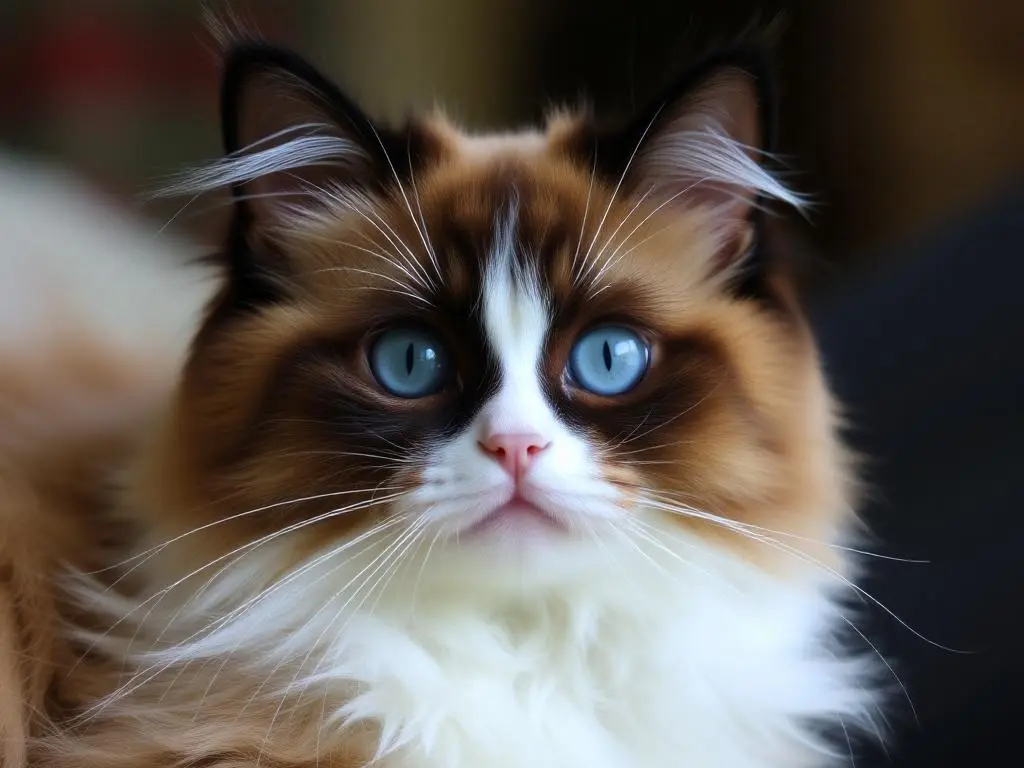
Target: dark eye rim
pixel 647 344
pixel 373 340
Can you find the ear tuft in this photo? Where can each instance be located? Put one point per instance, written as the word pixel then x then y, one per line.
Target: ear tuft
pixel 712 141
pixel 704 144
pixel 294 144
pixel 289 136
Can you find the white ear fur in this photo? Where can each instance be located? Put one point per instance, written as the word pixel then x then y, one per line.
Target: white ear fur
pixel 292 152
pixel 704 150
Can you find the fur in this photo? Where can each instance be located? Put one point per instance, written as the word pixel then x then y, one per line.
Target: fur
pixel 308 587
pixel 83 366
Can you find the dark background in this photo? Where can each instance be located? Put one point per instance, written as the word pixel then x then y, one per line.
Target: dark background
pixel 896 113
pixel 905 118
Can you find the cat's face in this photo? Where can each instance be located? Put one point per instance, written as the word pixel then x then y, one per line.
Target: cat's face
pixel 497 353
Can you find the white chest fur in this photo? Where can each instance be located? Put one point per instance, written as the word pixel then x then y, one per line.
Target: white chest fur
pixel 725 668
pixel 662 662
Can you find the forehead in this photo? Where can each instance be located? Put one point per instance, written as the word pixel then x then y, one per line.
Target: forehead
pixel 485 206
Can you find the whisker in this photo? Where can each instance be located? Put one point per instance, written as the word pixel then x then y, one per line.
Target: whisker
pixel 159 595
pixel 425 233
pixel 656 447
pixel 637 528
pixel 809 540
pixel 803 557
pixel 282 698
pixel 665 203
pixel 845 619
pixel 393 280
pixel 618 186
pixel 586 210
pixel 409 258
pixel 638 425
pixel 380 561
pixel 597 256
pixel 181 648
pixel 206 526
pixel 405 197
pixel 423 565
pixel 334 552
pixel 631 250
pixel 671 419
pixel 389 258
pixel 412 256
pixel 265 594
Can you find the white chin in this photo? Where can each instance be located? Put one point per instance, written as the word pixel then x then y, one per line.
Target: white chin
pixel 515 524
pixel 508 553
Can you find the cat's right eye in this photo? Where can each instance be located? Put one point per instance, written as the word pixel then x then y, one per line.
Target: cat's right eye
pixel 409 362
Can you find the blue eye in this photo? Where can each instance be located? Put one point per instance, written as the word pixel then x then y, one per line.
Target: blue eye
pixel 409 362
pixel 609 360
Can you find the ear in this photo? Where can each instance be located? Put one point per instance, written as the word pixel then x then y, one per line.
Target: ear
pixel 293 142
pixel 289 132
pixel 704 144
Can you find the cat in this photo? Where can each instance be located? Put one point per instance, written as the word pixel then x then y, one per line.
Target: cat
pixel 489 450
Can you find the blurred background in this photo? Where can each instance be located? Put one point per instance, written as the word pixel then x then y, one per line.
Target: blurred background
pixel 896 113
pixel 905 118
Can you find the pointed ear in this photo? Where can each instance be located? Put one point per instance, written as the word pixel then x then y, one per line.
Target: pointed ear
pixel 704 144
pixel 290 134
pixel 293 143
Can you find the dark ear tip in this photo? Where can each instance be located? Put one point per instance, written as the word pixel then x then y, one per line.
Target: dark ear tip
pixel 247 58
pixel 244 58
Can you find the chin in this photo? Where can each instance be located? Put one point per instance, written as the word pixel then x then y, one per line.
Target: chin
pixel 514 547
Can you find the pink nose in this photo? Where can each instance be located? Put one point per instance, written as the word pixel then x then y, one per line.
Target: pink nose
pixel 514 452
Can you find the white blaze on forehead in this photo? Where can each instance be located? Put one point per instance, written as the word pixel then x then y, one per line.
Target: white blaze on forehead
pixel 516 320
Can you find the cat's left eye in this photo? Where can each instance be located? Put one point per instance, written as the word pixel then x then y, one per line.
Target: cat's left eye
pixel 609 360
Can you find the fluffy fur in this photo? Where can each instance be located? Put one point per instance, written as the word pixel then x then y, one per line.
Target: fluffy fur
pixel 311 586
pixel 96 314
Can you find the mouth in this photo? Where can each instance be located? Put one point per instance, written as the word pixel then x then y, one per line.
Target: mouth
pixel 517 516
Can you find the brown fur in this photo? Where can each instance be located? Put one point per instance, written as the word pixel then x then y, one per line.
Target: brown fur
pixel 70 414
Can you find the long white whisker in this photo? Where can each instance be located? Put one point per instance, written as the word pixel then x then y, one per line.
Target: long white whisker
pixel 637 528
pixel 604 247
pixel 389 258
pixel 840 547
pixel 612 259
pixel 412 256
pixel 423 565
pixel 803 557
pixel 180 649
pixel 283 697
pixel 586 210
pixel 405 197
pixel 404 290
pixel 332 553
pixel 378 562
pixel 206 526
pixel 158 596
pixel 618 186
pixel 771 542
pixel 425 234
pixel 396 242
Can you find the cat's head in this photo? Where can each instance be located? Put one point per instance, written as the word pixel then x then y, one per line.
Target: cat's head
pixel 516 351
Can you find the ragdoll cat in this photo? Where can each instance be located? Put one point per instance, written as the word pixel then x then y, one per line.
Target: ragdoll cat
pixel 500 450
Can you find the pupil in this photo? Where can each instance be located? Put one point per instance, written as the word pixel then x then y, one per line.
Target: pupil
pixel 408 359
pixel 607 353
